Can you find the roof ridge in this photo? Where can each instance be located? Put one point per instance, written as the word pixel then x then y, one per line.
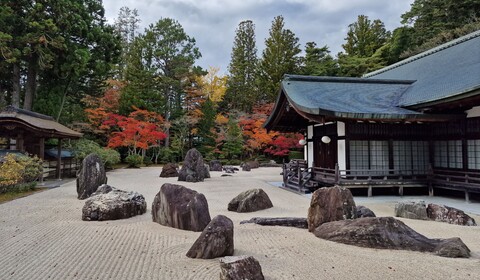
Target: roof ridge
pixel 431 51
pixel 289 77
pixel 13 109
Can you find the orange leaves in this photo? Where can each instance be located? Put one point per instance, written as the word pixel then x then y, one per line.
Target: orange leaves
pixel 140 130
pixel 257 137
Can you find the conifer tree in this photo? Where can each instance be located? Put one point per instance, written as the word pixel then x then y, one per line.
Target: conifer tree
pixel 242 91
pixel 279 57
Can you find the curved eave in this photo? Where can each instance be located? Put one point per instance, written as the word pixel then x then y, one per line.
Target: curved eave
pixel 45 132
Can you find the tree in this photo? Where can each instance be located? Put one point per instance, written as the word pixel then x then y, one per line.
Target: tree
pixel 242 91
pixel 256 138
pixel 162 60
pixel 431 17
pixel 363 47
pixel 278 58
pixel 232 148
pixel 206 137
pixel 126 25
pixel 365 37
pixel 318 61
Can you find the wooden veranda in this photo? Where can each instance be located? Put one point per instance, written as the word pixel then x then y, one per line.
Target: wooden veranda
pixel 297 176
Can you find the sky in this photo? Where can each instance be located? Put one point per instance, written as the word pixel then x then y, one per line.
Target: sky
pixel 213 22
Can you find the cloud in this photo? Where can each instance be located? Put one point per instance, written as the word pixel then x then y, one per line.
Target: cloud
pixel 213 22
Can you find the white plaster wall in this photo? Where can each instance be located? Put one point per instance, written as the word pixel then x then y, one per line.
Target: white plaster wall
pixel 474 112
pixel 310 154
pixel 341 155
pixel 341 129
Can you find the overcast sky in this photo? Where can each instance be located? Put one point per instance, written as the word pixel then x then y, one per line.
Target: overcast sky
pixel 213 22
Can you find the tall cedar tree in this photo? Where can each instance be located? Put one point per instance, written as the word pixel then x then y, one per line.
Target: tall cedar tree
pixel 126 25
pixel 431 17
pixel 63 46
pixel 318 61
pixel 363 47
pixel 242 91
pixel 206 137
pixel 279 57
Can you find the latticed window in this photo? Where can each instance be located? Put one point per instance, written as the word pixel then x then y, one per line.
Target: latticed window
pixel 410 157
pixel 473 147
pixel 368 155
pixel 448 154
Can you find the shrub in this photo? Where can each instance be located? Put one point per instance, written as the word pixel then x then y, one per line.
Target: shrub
pixel 295 155
pixel 19 173
pixel 147 161
pixel 134 161
pixel 84 147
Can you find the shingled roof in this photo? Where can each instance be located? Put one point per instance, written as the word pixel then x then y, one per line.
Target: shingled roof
pixel 395 93
pixel 446 72
pixel 12 118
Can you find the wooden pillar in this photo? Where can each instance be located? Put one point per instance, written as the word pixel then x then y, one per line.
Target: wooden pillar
pixel 20 143
pixel 41 143
pixel 467 197
pixel 370 191
pixel 400 190
pixel 59 159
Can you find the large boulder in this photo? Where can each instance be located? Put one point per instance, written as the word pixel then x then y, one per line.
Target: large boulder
pixel 193 168
pixel 169 170
pixel 91 176
pixel 363 212
pixel 109 203
pixel 215 241
pixel 252 164
pixel 411 210
pixel 389 233
pixel 246 167
pixel 330 204
pixel 441 213
pixel 250 201
pixel 179 207
pixel 239 268
pixel 215 165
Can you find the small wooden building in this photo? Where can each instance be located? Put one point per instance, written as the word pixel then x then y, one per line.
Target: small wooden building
pixel 413 123
pixel 26 131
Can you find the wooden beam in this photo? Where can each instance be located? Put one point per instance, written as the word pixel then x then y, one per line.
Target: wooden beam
pixel 41 143
pixel 59 159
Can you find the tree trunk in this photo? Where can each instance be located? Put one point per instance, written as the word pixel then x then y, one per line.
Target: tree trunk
pixel 286 222
pixel 16 85
pixel 31 86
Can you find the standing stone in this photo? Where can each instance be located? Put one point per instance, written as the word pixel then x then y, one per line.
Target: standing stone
pixel 240 268
pixel 330 204
pixel 169 170
pixel 246 167
pixel 442 213
pixel 250 201
pixel 363 212
pixel 109 203
pixel 389 233
pixel 411 210
pixel 91 176
pixel 179 207
pixel 207 171
pixel 215 241
pixel 215 165
pixel 193 168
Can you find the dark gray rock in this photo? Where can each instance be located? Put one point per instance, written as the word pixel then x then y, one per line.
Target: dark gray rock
pixel 179 207
pixel 284 221
pixel 411 210
pixel 109 203
pixel 207 171
pixel 363 212
pixel 215 165
pixel 250 201
pixel 442 213
pixel 91 176
pixel 230 169
pixel 330 204
pixel 388 233
pixel 193 168
pixel 252 164
pixel 215 241
pixel 169 170
pixel 240 268
pixel 246 167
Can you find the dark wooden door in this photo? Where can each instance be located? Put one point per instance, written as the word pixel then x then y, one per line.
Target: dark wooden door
pixel 325 155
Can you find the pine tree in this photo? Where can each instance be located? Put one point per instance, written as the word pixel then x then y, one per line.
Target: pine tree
pixel 279 57
pixel 234 141
pixel 242 91
pixel 318 61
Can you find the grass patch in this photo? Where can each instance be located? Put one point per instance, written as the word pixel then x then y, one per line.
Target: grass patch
pixel 5 197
